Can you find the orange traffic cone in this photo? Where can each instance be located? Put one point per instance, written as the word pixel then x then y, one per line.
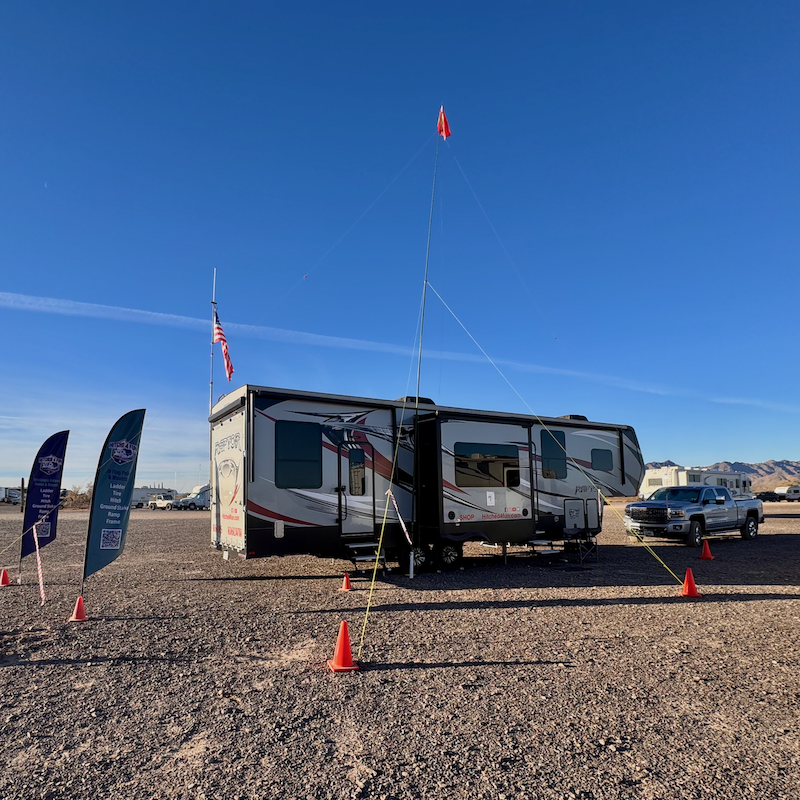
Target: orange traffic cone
pixel 342 660
pixel 689 589
pixel 4 580
pixel 346 587
pixel 78 615
pixel 706 554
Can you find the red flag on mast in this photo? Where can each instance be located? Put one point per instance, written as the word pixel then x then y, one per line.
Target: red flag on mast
pixel 442 125
pixel 219 336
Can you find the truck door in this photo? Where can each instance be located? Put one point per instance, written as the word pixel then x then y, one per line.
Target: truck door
pixel 731 510
pixel 714 514
pixel 356 489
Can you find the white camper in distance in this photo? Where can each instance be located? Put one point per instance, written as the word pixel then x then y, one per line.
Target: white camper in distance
pixel 788 493
pixel 736 482
pixel 301 472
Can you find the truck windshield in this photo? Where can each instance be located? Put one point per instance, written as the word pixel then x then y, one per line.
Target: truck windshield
pixel 677 495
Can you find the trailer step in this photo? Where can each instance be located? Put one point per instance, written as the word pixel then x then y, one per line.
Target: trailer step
pixel 550 552
pixel 360 545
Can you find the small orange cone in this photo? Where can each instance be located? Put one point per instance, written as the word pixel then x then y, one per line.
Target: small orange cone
pixel 342 660
pixel 346 587
pixel 78 615
pixel 706 554
pixel 4 580
pixel 689 589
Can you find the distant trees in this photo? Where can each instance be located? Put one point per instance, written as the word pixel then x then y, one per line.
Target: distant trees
pixel 79 496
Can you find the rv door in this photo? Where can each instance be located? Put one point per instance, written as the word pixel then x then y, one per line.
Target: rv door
pixel 356 489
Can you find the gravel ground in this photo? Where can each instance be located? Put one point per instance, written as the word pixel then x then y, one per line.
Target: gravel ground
pixel 200 678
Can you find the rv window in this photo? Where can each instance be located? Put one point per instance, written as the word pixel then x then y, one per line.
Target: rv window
pixel 486 465
pixel 358 472
pixel 554 455
pixel 602 460
pixel 298 455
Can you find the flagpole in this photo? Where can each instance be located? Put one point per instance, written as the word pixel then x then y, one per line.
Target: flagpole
pixel 419 358
pixel 425 283
pixel 213 312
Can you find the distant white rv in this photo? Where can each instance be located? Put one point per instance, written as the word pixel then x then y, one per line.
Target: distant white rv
pixel 789 493
pixel 736 482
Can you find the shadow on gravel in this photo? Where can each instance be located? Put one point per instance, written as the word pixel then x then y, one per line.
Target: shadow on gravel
pixel 769 560
pixel 15 661
pixel 377 666
pixel 337 576
pixel 468 605
pixel 149 617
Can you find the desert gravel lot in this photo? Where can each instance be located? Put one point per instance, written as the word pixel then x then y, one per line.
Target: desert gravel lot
pixel 200 678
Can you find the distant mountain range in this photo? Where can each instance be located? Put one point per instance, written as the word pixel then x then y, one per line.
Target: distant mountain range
pixel 765 476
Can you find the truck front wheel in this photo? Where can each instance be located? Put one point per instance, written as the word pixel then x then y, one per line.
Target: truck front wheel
pixel 750 529
pixel 695 535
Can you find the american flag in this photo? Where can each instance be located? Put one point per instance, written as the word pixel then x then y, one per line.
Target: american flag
pixel 219 336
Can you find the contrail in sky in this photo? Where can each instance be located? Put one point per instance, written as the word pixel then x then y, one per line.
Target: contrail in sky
pixel 75 308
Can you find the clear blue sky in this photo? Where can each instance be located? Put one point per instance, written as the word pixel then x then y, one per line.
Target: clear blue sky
pixel 637 161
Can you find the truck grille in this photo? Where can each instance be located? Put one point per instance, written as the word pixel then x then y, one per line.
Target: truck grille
pixel 649 514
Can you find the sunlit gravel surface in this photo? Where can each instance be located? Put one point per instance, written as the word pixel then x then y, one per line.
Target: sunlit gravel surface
pixel 200 678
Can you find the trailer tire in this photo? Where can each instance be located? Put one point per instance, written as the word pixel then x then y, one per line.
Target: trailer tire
pixel 422 557
pixel 449 555
pixel 750 528
pixel 695 535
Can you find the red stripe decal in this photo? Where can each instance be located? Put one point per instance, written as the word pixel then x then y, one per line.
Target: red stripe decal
pixel 257 509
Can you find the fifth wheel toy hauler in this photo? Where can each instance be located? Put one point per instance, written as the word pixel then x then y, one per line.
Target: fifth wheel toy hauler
pixel 301 472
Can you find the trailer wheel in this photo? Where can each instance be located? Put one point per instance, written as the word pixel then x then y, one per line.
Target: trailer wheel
pixel 422 557
pixel 750 529
pixel 695 535
pixel 449 555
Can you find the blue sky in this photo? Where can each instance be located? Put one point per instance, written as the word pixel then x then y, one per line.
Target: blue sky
pixel 615 222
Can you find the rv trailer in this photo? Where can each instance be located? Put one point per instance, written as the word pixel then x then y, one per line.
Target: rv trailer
pixel 738 483
pixel 301 472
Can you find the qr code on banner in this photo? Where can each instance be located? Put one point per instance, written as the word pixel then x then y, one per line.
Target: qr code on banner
pixel 111 538
pixel 43 530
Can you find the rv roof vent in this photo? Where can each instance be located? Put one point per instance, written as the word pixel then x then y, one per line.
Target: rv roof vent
pixel 410 401
pixel 573 416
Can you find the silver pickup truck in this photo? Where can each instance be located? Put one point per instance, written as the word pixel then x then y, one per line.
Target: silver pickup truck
pixel 691 512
